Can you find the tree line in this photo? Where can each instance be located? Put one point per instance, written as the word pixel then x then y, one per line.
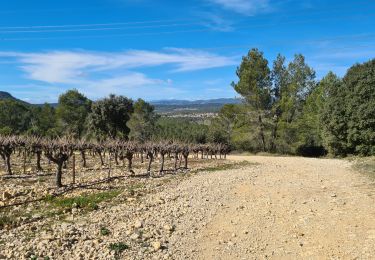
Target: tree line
pixel 76 116
pixel 286 110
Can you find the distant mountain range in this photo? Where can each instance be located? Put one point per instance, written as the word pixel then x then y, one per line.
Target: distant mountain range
pixel 194 107
pixel 169 106
pixel 176 102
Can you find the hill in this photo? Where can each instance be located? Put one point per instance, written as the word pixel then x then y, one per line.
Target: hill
pixel 177 102
pixel 6 95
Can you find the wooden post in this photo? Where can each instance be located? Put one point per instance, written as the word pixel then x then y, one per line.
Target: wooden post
pixel 74 168
pixel 110 165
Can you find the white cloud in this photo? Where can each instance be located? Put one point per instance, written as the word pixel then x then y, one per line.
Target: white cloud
pixel 100 73
pixel 75 67
pixel 245 7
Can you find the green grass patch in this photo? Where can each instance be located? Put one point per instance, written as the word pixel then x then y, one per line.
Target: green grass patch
pixel 84 201
pixel 118 247
pixel 104 231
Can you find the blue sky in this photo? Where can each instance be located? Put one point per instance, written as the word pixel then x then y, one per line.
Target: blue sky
pixel 169 49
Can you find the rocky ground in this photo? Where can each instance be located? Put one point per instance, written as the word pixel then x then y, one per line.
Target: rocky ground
pixel 275 207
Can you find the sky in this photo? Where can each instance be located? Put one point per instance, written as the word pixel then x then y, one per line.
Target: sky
pixel 165 49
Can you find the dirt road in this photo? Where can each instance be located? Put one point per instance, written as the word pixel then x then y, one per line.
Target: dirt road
pixel 294 208
pixel 278 208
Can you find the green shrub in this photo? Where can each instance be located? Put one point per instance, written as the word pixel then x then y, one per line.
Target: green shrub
pixel 118 247
pixel 104 231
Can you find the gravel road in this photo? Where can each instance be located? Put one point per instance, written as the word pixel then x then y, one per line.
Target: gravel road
pixel 293 208
pixel 277 208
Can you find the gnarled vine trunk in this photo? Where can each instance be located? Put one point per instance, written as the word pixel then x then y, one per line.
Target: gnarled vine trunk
pixel 38 159
pixel 116 158
pixel 8 166
pixel 175 161
pixel 129 157
pixel 186 156
pixel 161 163
pixel 83 155
pixel 101 159
pixel 59 174
pixel 150 159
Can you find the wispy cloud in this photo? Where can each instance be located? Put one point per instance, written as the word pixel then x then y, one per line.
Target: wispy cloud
pixel 100 73
pixel 72 67
pixel 216 22
pixel 245 7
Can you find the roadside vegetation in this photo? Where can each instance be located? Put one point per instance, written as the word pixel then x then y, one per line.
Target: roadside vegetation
pixel 287 111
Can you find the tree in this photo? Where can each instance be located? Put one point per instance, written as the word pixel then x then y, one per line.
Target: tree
pixel 221 128
pixel 300 82
pixel 109 117
pixel 15 117
pixel 142 121
pixel 279 77
pixel 310 134
pixel 254 85
pixel 334 120
pixel 44 122
pixel 359 85
pixel 72 111
pixel 180 129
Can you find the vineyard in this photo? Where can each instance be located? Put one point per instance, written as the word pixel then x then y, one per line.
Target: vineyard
pixel 46 181
pixel 62 153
